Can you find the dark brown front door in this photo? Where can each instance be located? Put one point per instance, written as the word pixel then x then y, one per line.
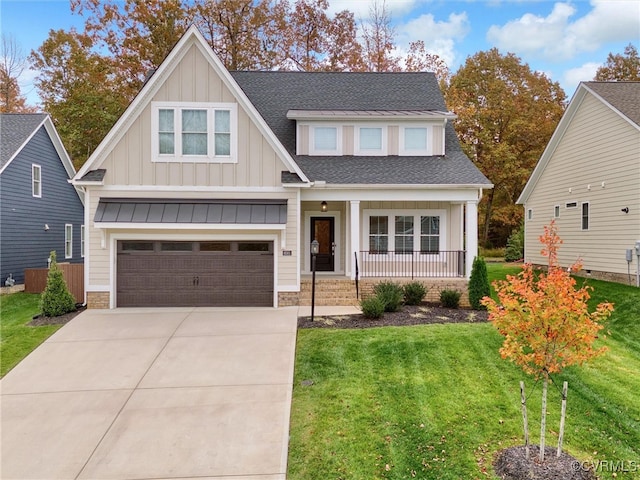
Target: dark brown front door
pixel 322 230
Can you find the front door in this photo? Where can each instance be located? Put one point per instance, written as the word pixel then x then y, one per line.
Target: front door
pixel 322 230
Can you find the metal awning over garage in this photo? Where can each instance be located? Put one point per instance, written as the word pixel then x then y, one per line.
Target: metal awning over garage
pixel 120 212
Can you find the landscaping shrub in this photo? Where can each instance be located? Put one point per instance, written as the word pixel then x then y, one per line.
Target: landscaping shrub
pixel 414 293
pixel 515 246
pixel 391 295
pixel 450 298
pixel 478 284
pixel 56 299
pixel 372 307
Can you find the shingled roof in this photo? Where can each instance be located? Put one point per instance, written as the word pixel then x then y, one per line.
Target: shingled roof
pixel 15 130
pixel 276 93
pixel 623 96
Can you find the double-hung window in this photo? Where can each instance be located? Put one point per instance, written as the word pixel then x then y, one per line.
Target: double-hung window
pixel 378 234
pixel 194 132
pixel 429 234
pixel 404 234
pixel 68 240
pixel 36 180
pixel 585 216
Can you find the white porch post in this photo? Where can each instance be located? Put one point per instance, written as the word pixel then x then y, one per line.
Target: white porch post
pixel 471 223
pixel 354 234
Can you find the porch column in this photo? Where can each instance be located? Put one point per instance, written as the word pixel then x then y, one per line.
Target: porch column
pixel 471 223
pixel 354 234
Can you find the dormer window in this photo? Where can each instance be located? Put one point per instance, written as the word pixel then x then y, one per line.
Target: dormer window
pixel 194 132
pixel 370 141
pixel 326 140
pixel 414 141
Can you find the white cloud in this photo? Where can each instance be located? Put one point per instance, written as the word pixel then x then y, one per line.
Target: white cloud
pixel 360 8
pixel 559 37
pixel 584 73
pixel 440 37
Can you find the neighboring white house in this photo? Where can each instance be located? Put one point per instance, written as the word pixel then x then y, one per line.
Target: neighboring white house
pixel 588 180
pixel 212 185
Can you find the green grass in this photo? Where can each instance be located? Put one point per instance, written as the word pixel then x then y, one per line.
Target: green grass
pixel 437 401
pixel 18 339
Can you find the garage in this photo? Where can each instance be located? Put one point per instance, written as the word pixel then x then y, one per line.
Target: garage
pixel 201 274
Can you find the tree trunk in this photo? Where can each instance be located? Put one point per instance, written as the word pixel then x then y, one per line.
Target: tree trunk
pixel 543 419
pixel 523 400
pixel 565 385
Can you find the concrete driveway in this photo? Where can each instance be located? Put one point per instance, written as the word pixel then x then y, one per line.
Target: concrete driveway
pixel 154 394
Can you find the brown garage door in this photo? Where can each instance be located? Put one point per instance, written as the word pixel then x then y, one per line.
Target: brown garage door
pixel 178 274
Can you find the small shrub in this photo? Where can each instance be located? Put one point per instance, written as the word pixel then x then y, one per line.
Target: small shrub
pixel 391 295
pixel 56 299
pixel 450 298
pixel 515 246
pixel 478 284
pixel 372 307
pixel 414 293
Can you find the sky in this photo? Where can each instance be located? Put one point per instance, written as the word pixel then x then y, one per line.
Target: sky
pixel 567 40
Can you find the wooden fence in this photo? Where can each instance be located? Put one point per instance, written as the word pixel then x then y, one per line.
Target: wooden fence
pixel 35 279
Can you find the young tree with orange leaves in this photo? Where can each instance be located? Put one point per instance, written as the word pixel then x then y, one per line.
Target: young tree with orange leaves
pixel 545 320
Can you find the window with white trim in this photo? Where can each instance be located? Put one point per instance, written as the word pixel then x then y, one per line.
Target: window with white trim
pixel 585 216
pixel 82 233
pixel 326 140
pixel 371 140
pixel 36 180
pixel 556 211
pixel 406 231
pixel 529 214
pixel 414 140
pixel 194 132
pixel 68 240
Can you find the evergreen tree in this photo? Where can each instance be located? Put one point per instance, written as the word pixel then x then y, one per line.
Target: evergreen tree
pixel 478 284
pixel 56 299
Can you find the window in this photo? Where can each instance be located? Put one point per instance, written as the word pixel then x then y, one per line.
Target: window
pixel 413 141
pixel 556 211
pixel 82 233
pixel 429 234
pixel 370 141
pixel 411 231
pixel 36 181
pixel 585 216
pixel 68 240
pixel 194 132
pixel 529 214
pixel 325 139
pixel 404 234
pixel 378 234
pixel 137 246
pixel 571 205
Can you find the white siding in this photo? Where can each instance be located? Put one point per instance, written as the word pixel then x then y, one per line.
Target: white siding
pixel 596 161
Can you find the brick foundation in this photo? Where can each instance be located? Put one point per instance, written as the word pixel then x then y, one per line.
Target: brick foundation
pixel 97 300
pixel 288 299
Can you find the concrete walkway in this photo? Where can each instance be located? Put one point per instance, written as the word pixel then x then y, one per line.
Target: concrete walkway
pixel 154 394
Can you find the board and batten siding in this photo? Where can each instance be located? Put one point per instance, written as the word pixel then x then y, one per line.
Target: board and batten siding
pixel 25 242
pixel 193 80
pixel 596 161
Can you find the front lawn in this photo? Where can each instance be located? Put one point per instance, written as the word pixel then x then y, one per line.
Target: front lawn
pixel 19 339
pixel 437 401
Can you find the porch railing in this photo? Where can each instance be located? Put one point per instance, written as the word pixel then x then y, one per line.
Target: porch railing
pixel 413 264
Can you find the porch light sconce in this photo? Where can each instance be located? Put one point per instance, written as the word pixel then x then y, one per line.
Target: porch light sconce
pixel 315 248
pixel 625 210
pixel 46 227
pixel 323 206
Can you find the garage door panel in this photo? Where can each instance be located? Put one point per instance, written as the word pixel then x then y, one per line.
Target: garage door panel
pixel 194 278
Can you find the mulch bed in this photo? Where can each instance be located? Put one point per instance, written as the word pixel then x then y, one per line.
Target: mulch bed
pixel 40 320
pixel 511 464
pixel 408 315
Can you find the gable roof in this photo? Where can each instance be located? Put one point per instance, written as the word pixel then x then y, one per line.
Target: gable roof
pixel 621 97
pixel 17 129
pixel 280 97
pixel 191 37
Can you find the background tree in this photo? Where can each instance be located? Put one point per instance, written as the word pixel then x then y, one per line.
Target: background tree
pixel 13 62
pixel 305 38
pixel 620 67
pixel 79 90
pixel 418 59
pixel 379 40
pixel 506 115
pixel 343 51
pixel 545 320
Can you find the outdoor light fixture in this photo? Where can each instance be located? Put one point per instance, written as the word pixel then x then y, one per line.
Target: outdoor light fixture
pixel 315 248
pixel 625 210
pixel 46 227
pixel 323 206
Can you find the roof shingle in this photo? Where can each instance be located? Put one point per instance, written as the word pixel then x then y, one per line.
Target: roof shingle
pixel 15 129
pixel 623 96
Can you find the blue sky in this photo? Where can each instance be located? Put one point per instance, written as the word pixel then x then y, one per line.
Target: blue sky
pixel 567 40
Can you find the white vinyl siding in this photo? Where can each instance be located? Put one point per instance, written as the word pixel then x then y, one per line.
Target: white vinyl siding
pixel 68 241
pixel 194 132
pixel 36 181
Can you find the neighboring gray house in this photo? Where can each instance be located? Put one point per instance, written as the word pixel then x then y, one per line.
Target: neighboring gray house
pixel 212 185
pixel 40 210
pixel 588 180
